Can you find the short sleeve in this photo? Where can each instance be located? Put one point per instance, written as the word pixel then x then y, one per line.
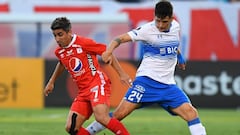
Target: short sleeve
pixel 137 34
pixel 93 47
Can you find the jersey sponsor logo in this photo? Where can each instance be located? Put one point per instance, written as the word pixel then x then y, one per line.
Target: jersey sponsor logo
pixel 91 65
pixel 168 50
pixel 163 51
pixel 75 64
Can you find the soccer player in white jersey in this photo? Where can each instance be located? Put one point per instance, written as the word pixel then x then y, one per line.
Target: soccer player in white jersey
pixel 154 82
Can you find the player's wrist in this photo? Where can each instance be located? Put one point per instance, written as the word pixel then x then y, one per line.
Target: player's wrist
pixel 180 58
pixel 109 52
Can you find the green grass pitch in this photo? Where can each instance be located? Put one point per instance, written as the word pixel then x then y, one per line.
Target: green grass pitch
pixel 51 121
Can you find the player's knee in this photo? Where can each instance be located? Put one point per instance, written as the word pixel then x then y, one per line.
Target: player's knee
pixel 71 128
pixel 186 111
pixel 191 113
pixel 67 128
pixel 102 119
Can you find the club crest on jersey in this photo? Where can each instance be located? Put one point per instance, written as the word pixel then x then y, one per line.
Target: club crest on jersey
pixel 79 50
pixel 75 64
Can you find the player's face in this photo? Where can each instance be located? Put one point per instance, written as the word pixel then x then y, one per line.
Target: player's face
pixel 62 37
pixel 163 24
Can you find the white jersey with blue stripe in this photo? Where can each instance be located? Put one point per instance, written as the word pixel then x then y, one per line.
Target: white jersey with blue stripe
pixel 160 51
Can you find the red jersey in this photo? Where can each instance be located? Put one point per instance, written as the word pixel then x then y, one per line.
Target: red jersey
pixel 80 59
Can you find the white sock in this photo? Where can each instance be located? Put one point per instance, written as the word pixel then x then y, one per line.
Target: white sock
pixel 197 129
pixel 95 127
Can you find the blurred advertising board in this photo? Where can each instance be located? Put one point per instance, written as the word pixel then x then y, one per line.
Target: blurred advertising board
pixel 35 39
pixel 60 96
pixel 208 84
pixel 21 83
pixel 211 84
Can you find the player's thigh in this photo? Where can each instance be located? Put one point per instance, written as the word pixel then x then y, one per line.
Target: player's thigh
pixel 124 108
pixel 74 120
pixel 79 112
pixel 186 111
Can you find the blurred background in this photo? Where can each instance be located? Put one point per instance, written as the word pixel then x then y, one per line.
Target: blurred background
pixel 210 41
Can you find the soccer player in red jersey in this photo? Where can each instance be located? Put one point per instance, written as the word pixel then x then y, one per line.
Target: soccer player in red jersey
pixel 78 55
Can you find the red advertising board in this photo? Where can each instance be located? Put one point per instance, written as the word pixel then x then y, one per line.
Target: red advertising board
pixel 209 30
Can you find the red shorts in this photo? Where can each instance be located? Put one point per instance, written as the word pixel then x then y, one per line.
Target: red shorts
pixel 92 96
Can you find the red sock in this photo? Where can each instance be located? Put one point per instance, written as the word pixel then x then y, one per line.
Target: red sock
pixel 83 131
pixel 117 127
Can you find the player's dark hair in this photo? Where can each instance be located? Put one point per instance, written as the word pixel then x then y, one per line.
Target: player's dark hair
pixel 163 9
pixel 61 23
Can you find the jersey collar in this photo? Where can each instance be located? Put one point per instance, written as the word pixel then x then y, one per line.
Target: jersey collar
pixel 73 40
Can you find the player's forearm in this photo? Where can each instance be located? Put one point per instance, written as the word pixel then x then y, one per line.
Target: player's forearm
pixel 57 72
pixel 114 44
pixel 117 67
pixel 118 41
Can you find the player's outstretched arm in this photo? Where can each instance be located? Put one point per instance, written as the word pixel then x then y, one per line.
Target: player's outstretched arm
pixel 57 72
pixel 106 56
pixel 124 77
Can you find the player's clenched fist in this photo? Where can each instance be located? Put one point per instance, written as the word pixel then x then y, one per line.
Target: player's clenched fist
pixel 48 89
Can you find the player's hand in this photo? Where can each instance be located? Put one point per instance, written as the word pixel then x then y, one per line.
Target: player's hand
pixel 48 89
pixel 107 57
pixel 181 61
pixel 125 79
pixel 182 66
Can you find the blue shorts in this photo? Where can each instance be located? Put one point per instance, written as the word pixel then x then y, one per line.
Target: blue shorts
pixel 146 91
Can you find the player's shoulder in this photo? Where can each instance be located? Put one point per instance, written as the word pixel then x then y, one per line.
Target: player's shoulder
pixel 148 25
pixel 84 40
pixel 145 28
pixel 82 37
pixel 59 50
pixel 175 24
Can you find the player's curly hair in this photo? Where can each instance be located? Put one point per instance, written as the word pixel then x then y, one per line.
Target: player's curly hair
pixel 163 9
pixel 61 23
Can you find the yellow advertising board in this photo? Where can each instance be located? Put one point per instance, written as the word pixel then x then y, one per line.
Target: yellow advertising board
pixel 21 82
